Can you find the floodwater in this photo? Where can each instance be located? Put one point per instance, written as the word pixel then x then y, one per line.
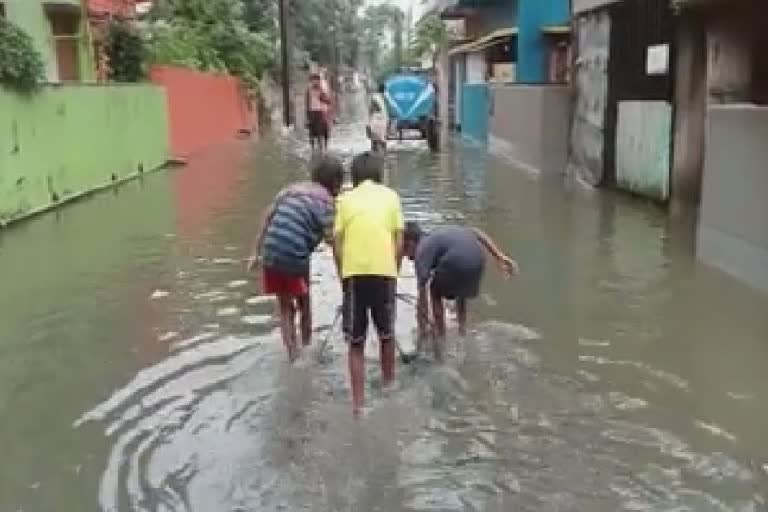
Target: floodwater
pixel 140 370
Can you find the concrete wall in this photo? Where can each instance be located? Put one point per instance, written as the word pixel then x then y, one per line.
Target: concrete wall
pixel 529 124
pixel 690 109
pixel 532 52
pixel 68 140
pixel 733 225
pixel 31 17
pixel 204 109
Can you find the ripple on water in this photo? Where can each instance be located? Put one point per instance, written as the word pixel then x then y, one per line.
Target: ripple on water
pixel 224 424
pixel 170 403
pixel 259 300
pixel 228 311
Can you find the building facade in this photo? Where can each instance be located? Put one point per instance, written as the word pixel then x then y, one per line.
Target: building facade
pixel 508 76
pixel 100 14
pixel 621 127
pixel 60 33
pixel 720 132
pixel 71 137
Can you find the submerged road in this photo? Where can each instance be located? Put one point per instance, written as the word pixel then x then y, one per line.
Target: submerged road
pixel 140 370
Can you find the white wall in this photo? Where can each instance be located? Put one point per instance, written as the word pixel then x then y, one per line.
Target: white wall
pixel 476 68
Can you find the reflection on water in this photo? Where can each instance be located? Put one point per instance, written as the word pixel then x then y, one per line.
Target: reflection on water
pixel 141 370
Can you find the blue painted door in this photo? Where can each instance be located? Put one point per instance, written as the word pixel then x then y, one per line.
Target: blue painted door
pixel 475 111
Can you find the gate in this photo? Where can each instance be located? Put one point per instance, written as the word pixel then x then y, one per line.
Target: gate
pixel 638 137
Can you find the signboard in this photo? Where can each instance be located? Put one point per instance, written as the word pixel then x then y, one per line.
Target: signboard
pixel 657 61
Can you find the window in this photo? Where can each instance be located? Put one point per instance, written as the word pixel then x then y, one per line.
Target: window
pixel 2 10
pixel 65 26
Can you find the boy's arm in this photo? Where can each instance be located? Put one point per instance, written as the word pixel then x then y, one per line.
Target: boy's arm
pixel 398 227
pixel 422 313
pixel 507 264
pixel 399 249
pixel 256 249
pixel 338 243
pixel 337 238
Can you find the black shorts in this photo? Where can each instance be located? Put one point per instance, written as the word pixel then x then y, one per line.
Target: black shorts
pixel 364 295
pixel 318 125
pixel 457 283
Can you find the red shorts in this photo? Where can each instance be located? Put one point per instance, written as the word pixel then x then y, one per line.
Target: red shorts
pixel 281 283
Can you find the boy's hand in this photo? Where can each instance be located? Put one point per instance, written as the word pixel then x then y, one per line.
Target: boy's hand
pixel 509 266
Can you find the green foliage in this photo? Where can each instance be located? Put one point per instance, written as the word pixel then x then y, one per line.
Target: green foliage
pixel 213 35
pixel 126 52
pixel 21 66
pixel 430 35
pixel 329 30
pixel 377 25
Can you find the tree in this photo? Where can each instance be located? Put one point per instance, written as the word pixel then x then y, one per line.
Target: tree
pixel 214 35
pixel 21 65
pixel 379 23
pixel 430 36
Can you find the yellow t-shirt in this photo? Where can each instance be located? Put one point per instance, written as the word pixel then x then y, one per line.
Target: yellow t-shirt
pixel 367 219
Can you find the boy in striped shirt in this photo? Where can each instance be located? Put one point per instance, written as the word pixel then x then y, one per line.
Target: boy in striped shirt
pixel 300 217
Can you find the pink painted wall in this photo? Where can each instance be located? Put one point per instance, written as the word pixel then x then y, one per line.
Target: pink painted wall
pixel 204 109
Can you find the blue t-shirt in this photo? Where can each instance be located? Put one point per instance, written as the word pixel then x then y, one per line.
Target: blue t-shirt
pixel 303 216
pixel 449 252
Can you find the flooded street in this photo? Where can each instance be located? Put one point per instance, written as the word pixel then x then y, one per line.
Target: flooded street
pixel 140 370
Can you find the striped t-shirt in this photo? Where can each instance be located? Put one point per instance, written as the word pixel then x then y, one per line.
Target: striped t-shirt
pixel 303 216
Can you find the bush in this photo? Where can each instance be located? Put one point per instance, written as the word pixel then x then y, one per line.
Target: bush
pixel 125 49
pixel 214 36
pixel 21 66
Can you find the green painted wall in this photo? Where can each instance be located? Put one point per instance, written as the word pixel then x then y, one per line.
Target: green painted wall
pixel 30 16
pixel 68 140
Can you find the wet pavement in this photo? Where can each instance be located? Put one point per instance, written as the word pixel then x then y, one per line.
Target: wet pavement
pixel 140 370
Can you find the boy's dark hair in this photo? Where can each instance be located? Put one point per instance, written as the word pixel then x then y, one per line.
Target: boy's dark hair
pixel 382 88
pixel 328 172
pixel 366 166
pixel 412 232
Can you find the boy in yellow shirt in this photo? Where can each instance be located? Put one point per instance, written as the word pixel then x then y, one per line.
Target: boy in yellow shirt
pixel 368 233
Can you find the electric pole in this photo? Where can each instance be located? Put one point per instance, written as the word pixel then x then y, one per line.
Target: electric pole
pixel 286 49
pixel 398 40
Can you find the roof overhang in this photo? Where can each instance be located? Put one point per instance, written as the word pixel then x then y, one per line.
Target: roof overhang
pixel 457 13
pixel 62 7
pixel 556 30
pixel 495 37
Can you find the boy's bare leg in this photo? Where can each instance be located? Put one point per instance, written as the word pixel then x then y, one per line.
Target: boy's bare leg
pixel 288 325
pixel 305 319
pixel 461 314
pixel 438 320
pixel 357 376
pixel 387 355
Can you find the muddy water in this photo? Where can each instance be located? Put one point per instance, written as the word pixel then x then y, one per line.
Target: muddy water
pixel 140 369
